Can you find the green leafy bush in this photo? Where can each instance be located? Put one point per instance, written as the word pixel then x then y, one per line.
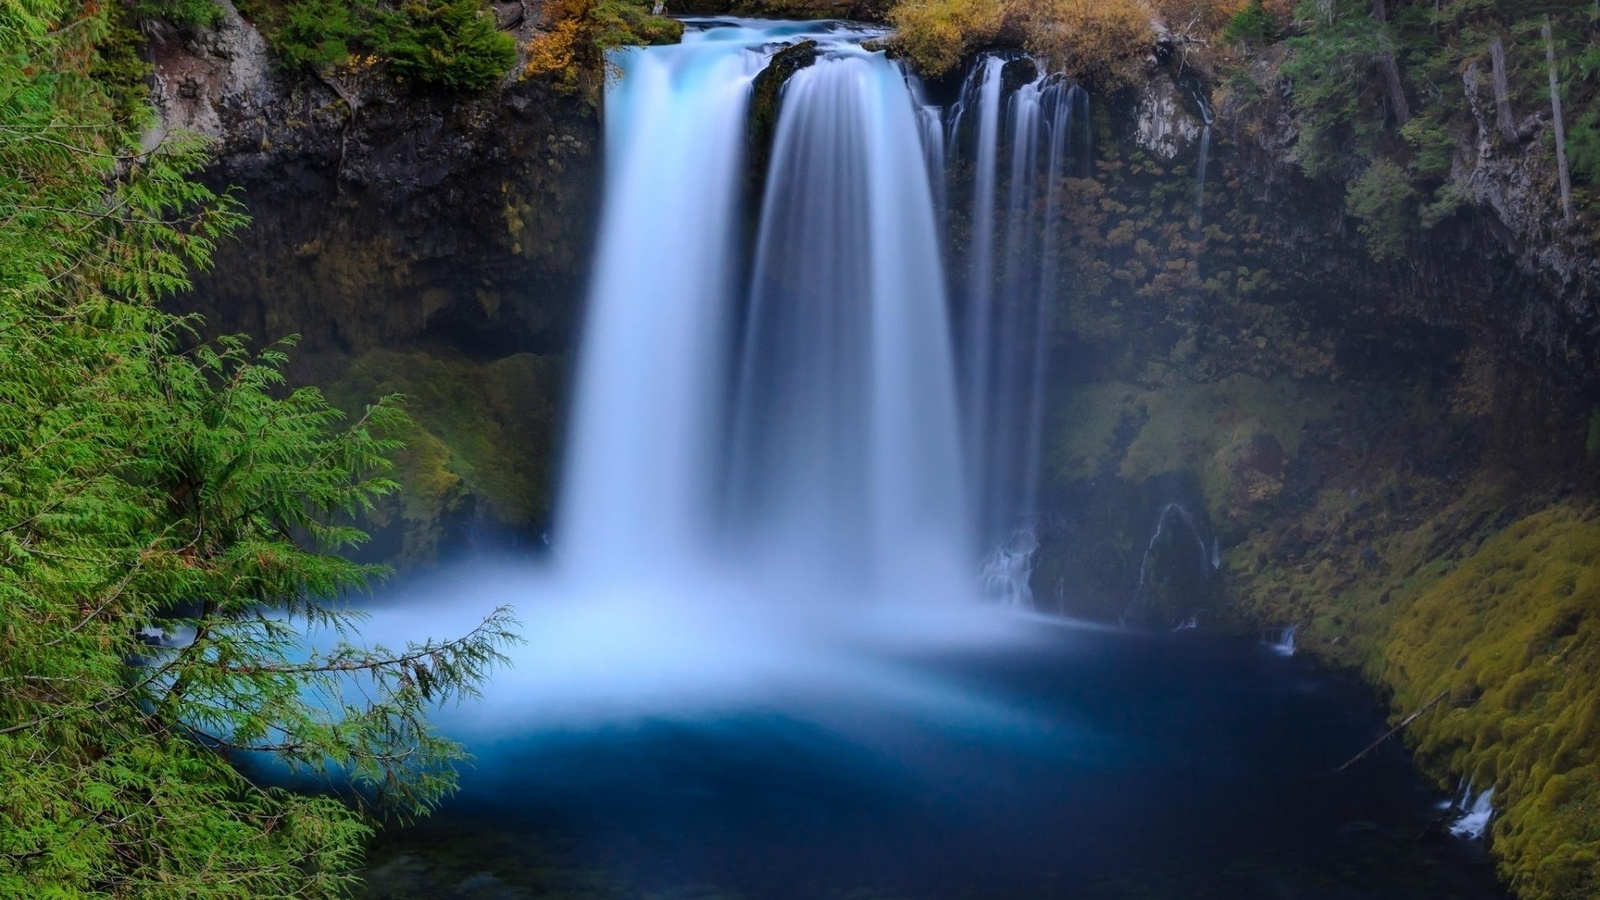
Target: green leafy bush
pixel 151 485
pixel 180 12
pixel 449 43
pixel 1385 202
pixel 1253 24
pixel 453 44
pixel 1334 80
pixel 316 34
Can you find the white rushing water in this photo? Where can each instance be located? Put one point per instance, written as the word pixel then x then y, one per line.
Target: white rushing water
pixel 764 489
pixel 847 457
pixel 1019 144
pixel 637 496
pixel 1473 823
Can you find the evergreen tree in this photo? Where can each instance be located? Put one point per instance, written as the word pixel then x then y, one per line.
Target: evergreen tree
pixel 169 525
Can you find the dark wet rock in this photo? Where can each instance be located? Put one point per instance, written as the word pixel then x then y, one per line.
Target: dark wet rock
pixel 1017 72
pixel 383 215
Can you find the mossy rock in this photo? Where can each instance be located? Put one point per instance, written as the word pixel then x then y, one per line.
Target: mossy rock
pixel 1512 634
pixel 1235 436
pixel 480 451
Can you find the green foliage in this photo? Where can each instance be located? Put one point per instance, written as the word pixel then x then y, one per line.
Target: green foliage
pixel 149 483
pixel 450 43
pixel 1384 201
pixel 1583 146
pixel 1332 72
pixel 318 34
pixel 1253 24
pixel 1433 142
pixel 120 71
pixel 575 36
pixel 179 12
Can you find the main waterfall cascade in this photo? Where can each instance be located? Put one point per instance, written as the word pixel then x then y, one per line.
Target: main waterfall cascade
pixel 846 445
pixel 771 484
pixel 810 432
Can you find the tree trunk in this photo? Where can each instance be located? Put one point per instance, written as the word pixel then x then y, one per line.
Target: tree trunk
pixel 1502 91
pixel 1390 68
pixel 1561 128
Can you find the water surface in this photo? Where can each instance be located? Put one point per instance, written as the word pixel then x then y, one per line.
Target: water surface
pixel 1077 763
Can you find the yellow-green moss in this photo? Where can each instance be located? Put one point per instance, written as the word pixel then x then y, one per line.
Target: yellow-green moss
pixel 482 429
pixel 1212 431
pixel 1431 595
pixel 1513 634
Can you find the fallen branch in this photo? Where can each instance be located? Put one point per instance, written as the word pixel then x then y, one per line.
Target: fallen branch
pixel 1393 731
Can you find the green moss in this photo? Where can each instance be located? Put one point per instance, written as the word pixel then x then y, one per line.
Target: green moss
pixel 451 44
pixel 1234 436
pixel 1426 587
pixel 481 443
pixel 179 12
pixel 1513 634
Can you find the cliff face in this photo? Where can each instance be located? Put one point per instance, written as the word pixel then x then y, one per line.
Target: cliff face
pixel 382 216
pixel 430 244
pixel 1399 459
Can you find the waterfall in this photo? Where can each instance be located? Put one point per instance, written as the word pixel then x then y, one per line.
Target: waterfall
pixel 1476 811
pixel 799 431
pixel 637 495
pixel 1183 515
pixel 1019 143
pixel 1206 117
pixel 847 450
pixel 1281 640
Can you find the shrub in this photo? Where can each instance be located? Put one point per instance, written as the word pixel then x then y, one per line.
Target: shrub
pixel 1333 73
pixel 453 44
pixel 934 35
pixel 179 12
pixel 578 33
pixel 317 34
pixel 1253 25
pixel 1385 202
pixel 1101 41
pixel 450 43
pixel 1196 17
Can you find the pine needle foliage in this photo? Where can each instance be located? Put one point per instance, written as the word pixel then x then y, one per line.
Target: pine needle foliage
pixel 171 517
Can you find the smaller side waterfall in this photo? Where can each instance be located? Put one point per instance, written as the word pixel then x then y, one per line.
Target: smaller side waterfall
pixel 1476 813
pixel 1168 513
pixel 1281 640
pixel 1012 128
pixel 1007 572
pixel 1206 117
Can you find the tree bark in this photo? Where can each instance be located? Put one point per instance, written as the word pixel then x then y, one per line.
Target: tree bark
pixel 1561 128
pixel 1502 91
pixel 1393 731
pixel 1390 68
